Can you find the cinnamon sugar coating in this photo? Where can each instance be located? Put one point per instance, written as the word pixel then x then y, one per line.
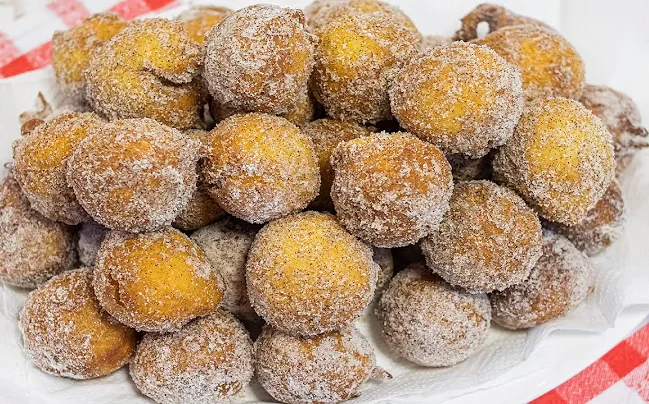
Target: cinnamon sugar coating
pixel 496 17
pixel 200 19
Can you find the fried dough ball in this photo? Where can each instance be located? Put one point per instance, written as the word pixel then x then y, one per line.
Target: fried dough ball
pixel 72 50
pixel 226 244
pixel 40 165
pixel 260 167
pixel 200 19
pixel 321 13
pixel 67 333
pixel 622 119
pixel 327 368
pixel 488 240
pixel 259 58
pixel 91 235
pixel 148 71
pixel 207 361
pixel 602 225
pixel 326 134
pixel 390 189
pixel 32 248
pixel 433 41
pixel 467 169
pixel 304 110
pixel 496 17
pixel 560 159
pixel 463 98
pixel 429 322
pixel 549 65
pixel 357 58
pixel 383 257
pixel 200 211
pixel 134 174
pixel 306 275
pixel 155 282
pixel 560 281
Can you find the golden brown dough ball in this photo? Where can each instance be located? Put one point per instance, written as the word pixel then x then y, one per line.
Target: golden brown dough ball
pixel 560 159
pixel 155 282
pixel 306 275
pixel 390 189
pixel 200 19
pixel 602 225
pixel 67 333
pixel 327 368
pixel 91 234
pixel 148 71
pixel 32 248
pixel 207 361
pixel 547 62
pixel 560 281
pixel 41 163
pixel 226 244
pixel 72 50
pixel 259 58
pixel 357 58
pixel 429 322
pixel 622 119
pixel 134 174
pixel 463 98
pixel 304 110
pixel 488 240
pixel 200 211
pixel 260 167
pixel 320 13
pixel 326 134
pixel 496 17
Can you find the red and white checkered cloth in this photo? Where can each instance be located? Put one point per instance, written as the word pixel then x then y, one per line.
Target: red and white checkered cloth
pixel 622 375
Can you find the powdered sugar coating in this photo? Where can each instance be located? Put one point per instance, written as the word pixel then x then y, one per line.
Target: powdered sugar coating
pixel 548 64
pixel 260 167
pixel 207 361
pixel 41 163
pixel 463 98
pixel 226 244
pixel 488 240
pixel 259 58
pixel 496 16
pixel 306 275
pixel 320 13
pixel 356 60
pixel 155 282
pixel 622 119
pixel 560 281
pixel 560 159
pixel 32 248
pixel 390 189
pixel 148 70
pixel 429 322
pixel 134 174
pixel 602 225
pixel 90 236
pixel 327 368
pixel 66 332
pixel 433 41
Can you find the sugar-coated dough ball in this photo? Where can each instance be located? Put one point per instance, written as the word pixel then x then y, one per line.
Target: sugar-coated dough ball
pixel 433 41
pixel 326 368
pixel 259 58
pixel 304 110
pixel 560 159
pixel 67 333
pixel 155 282
pixel 383 257
pixel 429 322
pixel 306 275
pixel 549 65
pixel 91 234
pixel 207 361
pixel 41 163
pixel 463 98
pixel 72 49
pixel 320 13
pixel 201 210
pixel 134 174
pixel 32 248
pixel 148 70
pixel 390 189
pixel 200 19
pixel 260 167
pixel 560 281
pixel 488 240
pixel 357 58
pixel 226 244
pixel 496 17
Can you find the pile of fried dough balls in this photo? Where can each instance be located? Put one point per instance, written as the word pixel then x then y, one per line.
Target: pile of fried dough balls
pixel 239 175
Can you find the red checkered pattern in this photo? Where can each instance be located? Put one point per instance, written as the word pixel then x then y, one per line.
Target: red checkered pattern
pixel 71 12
